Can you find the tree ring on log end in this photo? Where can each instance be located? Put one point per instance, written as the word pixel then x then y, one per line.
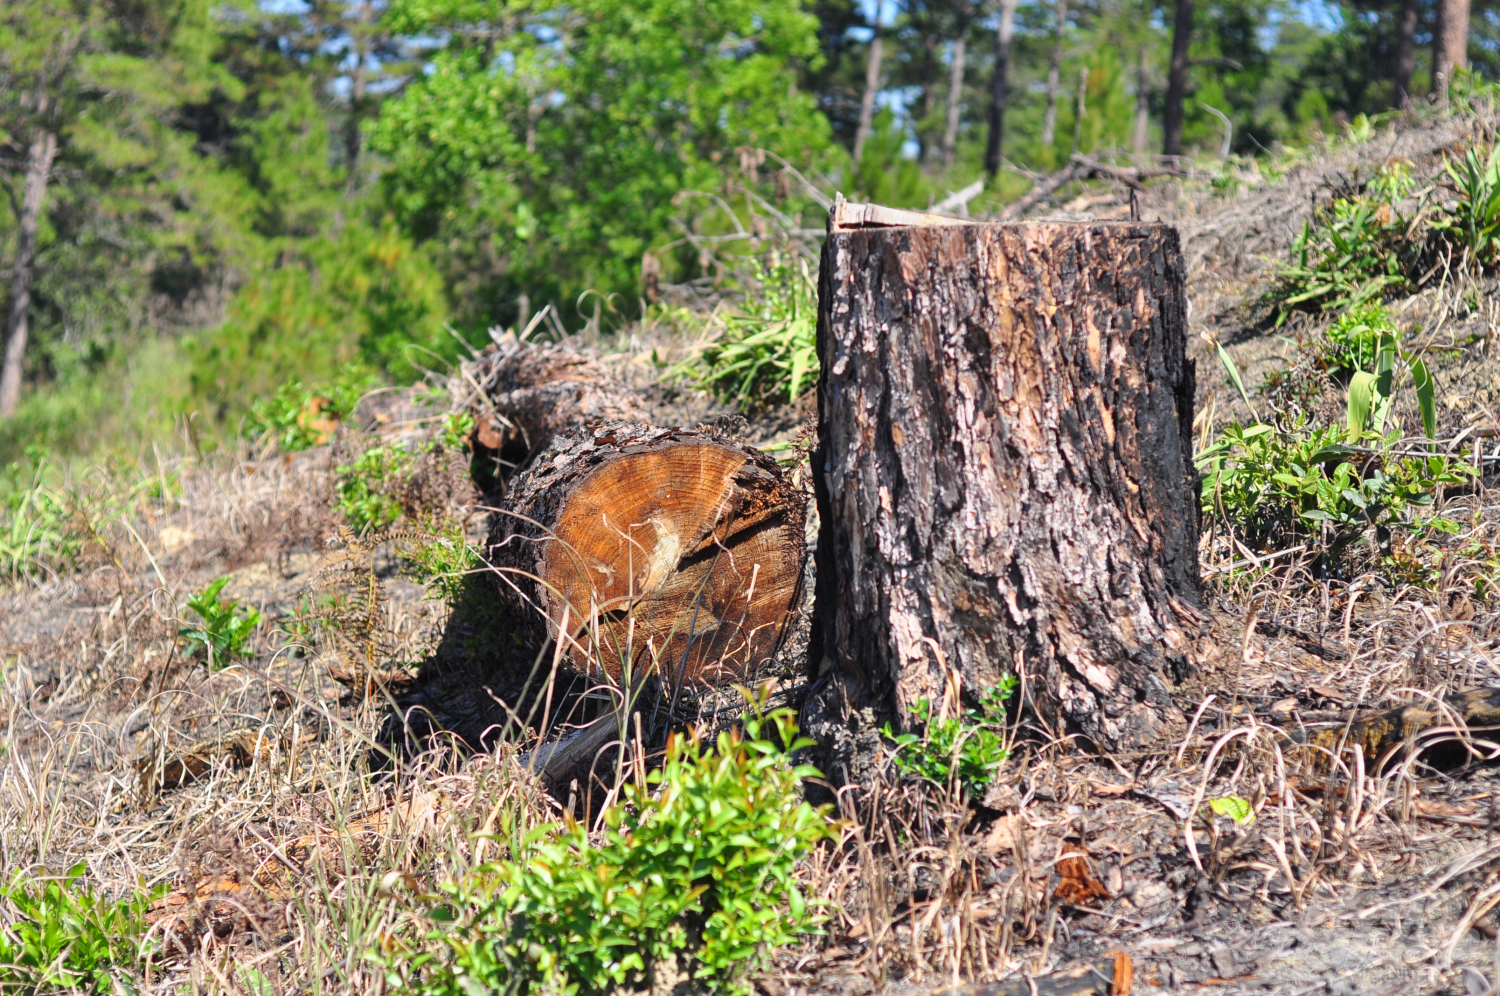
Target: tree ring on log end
pixel 676 551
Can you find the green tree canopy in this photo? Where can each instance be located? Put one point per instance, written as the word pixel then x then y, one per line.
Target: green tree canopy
pixel 546 143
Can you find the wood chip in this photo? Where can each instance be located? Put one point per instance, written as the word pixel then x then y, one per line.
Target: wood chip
pixel 1079 885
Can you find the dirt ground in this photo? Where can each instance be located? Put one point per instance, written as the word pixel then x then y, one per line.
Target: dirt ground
pixel 1358 875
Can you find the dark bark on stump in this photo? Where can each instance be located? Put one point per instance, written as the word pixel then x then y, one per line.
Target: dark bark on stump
pixel 678 551
pixel 1004 475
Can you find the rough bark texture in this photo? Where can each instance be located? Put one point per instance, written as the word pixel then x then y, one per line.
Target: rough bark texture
pixel 1004 475
pixel 678 551
pixel 536 391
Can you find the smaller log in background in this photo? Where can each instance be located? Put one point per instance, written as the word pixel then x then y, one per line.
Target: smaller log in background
pixel 1004 475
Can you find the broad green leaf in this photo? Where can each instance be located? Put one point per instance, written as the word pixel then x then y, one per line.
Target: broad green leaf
pixel 1361 403
pixel 1426 397
pixel 1234 807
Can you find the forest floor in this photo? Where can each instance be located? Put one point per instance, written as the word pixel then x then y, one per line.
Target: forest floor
pixel 1353 878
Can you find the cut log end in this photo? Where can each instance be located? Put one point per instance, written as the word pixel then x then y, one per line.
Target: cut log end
pixel 658 551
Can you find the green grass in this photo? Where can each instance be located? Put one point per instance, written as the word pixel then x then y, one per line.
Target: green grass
pixel 767 355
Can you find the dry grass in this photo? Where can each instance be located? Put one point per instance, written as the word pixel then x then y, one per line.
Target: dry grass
pixel 294 815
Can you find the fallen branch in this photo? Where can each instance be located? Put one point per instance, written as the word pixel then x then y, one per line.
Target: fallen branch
pixel 1083 168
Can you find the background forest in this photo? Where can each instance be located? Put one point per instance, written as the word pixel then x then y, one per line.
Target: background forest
pixel 347 190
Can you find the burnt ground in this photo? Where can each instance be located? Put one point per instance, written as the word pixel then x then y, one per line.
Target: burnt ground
pixel 1357 875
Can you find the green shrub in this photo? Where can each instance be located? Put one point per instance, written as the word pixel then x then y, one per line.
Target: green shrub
pixel 1474 224
pixel 364 488
pixel 769 354
pixel 1274 488
pixel 1353 341
pixel 960 751
pixel 457 427
pixel 443 561
pixel 298 418
pixel 58 935
pixel 224 630
pixel 1353 251
pixel 699 861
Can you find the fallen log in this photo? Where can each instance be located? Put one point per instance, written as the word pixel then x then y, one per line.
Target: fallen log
pixel 1003 475
pixel 530 392
pixel 649 551
pixel 1449 722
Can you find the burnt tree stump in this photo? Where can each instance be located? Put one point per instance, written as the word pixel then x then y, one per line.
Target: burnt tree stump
pixel 1004 472
pixel 665 552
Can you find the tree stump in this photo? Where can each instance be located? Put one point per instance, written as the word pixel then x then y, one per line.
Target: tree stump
pixel 1004 473
pixel 653 551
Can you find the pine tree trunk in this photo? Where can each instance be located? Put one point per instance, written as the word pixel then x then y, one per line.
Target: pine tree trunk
pixel 955 95
pixel 1004 476
pixel 1406 52
pixel 872 87
pixel 1450 42
pixel 1177 78
pixel 1000 87
pixel 1054 76
pixel 17 325
pixel 653 552
pixel 1142 105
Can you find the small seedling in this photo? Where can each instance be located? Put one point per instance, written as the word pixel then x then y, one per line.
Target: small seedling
pixel 1234 807
pixel 364 488
pixel 969 748
pixel 457 427
pixel 224 630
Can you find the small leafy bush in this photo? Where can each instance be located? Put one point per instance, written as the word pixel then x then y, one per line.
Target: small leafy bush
pixel 1352 252
pixel 1473 225
pixel 364 488
pixel 443 561
pixel 59 935
pixel 962 751
pixel 769 354
pixel 299 418
pixel 1353 341
pixel 699 861
pixel 224 628
pixel 1275 487
pixel 457 427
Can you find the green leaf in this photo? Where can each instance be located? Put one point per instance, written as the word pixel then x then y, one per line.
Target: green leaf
pixel 1361 402
pixel 1234 807
pixel 1234 375
pixel 1426 397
